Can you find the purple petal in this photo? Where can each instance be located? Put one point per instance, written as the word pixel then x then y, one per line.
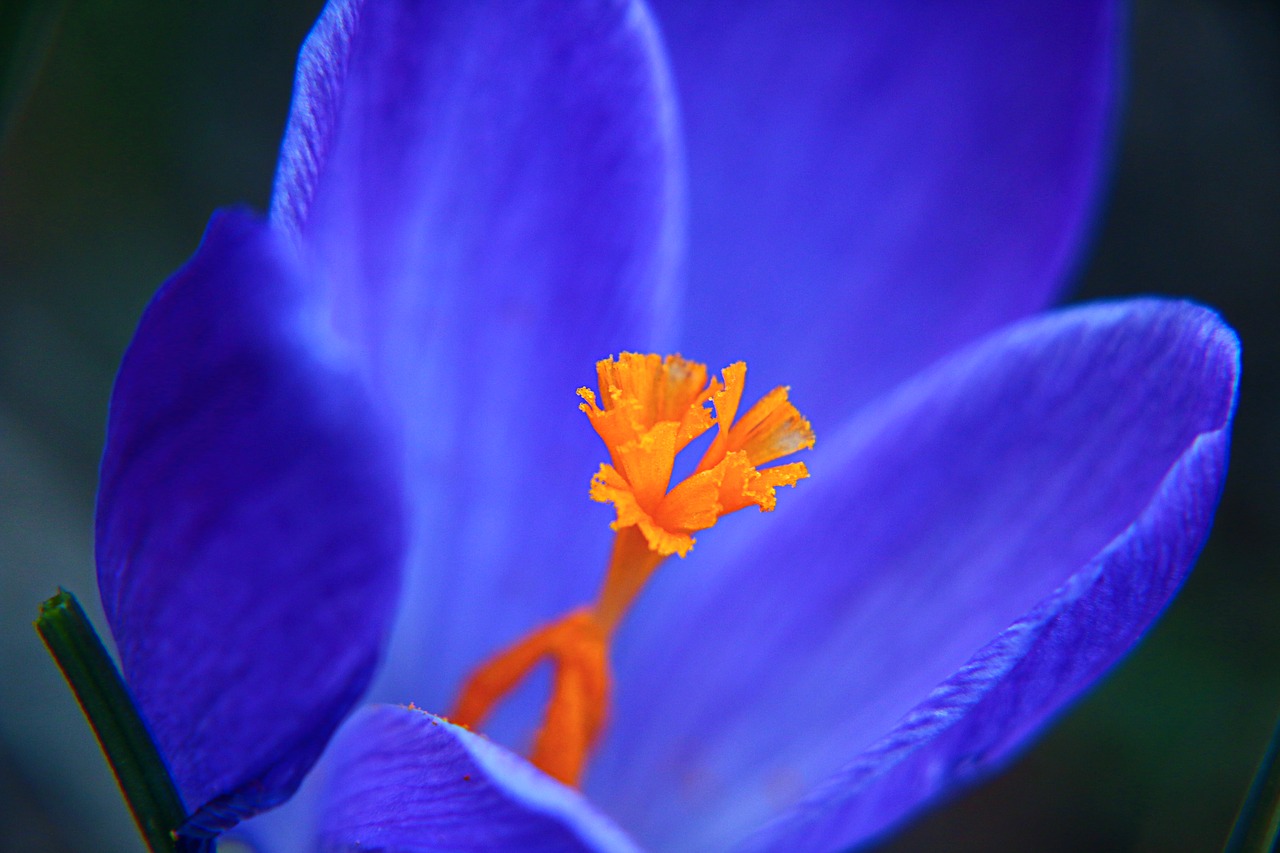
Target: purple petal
pixel 1058 477
pixel 403 781
pixel 490 191
pixel 978 718
pixel 249 528
pixel 873 184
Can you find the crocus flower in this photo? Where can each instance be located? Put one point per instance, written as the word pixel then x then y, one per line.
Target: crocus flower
pixel 345 464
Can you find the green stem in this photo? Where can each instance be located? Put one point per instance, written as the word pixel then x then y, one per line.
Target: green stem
pixel 144 780
pixel 1257 828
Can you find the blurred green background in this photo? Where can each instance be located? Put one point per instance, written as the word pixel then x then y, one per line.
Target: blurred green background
pixel 145 116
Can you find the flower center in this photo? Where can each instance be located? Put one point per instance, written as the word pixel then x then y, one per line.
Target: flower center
pixel 650 408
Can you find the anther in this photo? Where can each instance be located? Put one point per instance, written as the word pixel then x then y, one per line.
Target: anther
pixel 649 409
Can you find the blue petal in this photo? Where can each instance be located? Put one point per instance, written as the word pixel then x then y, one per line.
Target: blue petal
pixel 403 781
pixel 977 719
pixel 249 525
pixel 490 191
pixel 1061 472
pixel 873 184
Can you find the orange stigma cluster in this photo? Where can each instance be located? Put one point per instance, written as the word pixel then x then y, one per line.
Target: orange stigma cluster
pixel 653 407
pixel 649 409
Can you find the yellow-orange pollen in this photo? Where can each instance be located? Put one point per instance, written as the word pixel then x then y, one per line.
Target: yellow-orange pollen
pixel 650 408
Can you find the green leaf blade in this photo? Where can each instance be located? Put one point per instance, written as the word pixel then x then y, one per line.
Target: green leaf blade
pixel 1257 827
pixel 139 769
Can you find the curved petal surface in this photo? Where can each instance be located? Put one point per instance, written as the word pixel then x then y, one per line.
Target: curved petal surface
pixel 249 526
pixel 403 781
pixel 490 191
pixel 980 716
pixel 895 179
pixel 933 523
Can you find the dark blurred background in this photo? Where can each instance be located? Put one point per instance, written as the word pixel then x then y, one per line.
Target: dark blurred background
pixel 145 116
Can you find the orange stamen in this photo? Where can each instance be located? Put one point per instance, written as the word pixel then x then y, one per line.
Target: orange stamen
pixel 576 645
pixel 650 409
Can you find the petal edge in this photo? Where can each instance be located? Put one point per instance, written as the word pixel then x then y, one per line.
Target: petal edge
pixel 248 526
pixel 403 780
